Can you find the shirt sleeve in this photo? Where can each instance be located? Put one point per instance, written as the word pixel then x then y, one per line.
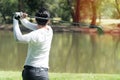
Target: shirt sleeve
pixel 28 24
pixel 18 35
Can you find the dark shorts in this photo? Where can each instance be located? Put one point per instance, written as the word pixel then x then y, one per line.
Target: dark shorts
pixel 33 73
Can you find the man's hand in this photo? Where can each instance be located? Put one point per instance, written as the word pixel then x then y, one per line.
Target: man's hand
pixel 17 15
pixel 20 15
pixel 24 15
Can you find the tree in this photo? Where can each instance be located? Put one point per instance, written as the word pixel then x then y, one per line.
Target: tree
pixel 7 7
pixel 33 5
pixel 76 17
pixel 81 10
pixel 95 5
pixel 118 7
pixel 74 6
pixel 94 12
pixel 20 5
pixel 78 10
pixel 64 10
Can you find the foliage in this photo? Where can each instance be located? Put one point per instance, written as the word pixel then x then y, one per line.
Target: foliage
pixel 56 9
pixel 64 7
pixel 108 9
pixel 60 8
pixel 7 7
pixel 33 5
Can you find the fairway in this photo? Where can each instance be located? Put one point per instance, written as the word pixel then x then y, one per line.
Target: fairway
pixel 10 75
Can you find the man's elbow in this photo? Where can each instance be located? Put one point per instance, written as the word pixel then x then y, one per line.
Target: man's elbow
pixel 18 39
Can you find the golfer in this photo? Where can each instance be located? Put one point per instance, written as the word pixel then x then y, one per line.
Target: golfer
pixel 39 43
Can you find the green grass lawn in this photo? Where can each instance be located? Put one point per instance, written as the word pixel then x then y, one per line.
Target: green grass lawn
pixel 9 75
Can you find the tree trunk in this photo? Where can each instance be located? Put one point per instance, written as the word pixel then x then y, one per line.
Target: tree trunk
pixel 20 5
pixel 94 13
pixel 4 18
pixel 77 12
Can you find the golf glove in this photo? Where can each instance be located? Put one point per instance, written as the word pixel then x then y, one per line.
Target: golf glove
pixel 17 15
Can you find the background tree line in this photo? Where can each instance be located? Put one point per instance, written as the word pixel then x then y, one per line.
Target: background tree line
pixel 77 10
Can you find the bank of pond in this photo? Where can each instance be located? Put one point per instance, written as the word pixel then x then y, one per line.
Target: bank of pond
pixel 83 29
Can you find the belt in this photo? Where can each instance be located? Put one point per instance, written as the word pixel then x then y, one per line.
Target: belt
pixel 36 68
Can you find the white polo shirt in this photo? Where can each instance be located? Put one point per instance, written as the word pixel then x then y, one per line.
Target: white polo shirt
pixel 39 43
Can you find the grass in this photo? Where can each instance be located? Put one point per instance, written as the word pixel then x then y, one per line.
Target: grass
pixel 10 75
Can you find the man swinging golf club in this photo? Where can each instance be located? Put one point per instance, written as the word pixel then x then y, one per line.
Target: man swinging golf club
pixel 39 43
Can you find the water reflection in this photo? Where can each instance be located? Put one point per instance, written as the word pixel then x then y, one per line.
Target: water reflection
pixel 11 54
pixel 70 52
pixel 85 53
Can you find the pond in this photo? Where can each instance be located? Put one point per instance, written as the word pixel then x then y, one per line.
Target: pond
pixel 70 52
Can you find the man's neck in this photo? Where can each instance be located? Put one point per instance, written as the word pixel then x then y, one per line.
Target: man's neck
pixel 41 26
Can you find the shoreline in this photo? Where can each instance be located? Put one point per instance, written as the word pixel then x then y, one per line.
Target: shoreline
pixel 56 28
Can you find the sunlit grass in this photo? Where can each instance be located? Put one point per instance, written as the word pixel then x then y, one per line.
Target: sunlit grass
pixel 10 75
pixel 71 76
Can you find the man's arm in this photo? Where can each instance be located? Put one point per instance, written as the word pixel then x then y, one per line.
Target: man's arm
pixel 17 33
pixel 28 24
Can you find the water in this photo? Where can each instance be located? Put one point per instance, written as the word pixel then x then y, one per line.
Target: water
pixel 70 52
